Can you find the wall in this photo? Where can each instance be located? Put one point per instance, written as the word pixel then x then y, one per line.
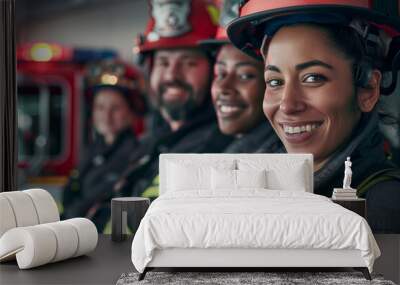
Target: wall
pixel 113 24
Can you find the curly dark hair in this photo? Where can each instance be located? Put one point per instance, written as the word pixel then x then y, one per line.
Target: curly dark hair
pixel 366 55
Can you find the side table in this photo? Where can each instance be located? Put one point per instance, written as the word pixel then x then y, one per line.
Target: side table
pixel 124 211
pixel 357 205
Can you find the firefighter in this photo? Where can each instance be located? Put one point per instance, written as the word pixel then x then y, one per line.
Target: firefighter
pixel 117 101
pixel 180 75
pixel 324 62
pixel 238 91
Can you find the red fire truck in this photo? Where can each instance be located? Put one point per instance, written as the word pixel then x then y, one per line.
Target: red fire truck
pixel 53 111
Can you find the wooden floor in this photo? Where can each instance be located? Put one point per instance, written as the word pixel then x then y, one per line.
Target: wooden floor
pixel 106 264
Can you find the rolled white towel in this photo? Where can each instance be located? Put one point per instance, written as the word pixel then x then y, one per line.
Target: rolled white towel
pixel 87 235
pixel 26 208
pixel 66 238
pixel 40 244
pixel 33 246
pixel 23 208
pixel 46 207
pixel 7 218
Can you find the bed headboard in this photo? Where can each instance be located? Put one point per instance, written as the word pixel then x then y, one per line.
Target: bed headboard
pixel 286 167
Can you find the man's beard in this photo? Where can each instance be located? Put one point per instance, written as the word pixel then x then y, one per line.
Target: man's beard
pixel 177 110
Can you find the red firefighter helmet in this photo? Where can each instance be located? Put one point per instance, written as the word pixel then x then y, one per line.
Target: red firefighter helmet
pixel 260 19
pixel 118 75
pixel 178 23
pixel 229 11
pixel 248 31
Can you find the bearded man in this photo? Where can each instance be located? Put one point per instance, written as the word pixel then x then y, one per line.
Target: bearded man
pixel 180 75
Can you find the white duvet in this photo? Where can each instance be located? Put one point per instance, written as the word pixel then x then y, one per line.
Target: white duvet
pixel 253 218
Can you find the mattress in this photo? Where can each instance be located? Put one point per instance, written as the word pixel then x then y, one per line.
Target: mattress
pixel 251 219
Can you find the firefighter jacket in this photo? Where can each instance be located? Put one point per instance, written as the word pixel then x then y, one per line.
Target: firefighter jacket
pixel 374 176
pixel 261 139
pixel 91 184
pixel 199 135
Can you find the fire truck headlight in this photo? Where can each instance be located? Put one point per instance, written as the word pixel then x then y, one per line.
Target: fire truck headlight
pixel 41 52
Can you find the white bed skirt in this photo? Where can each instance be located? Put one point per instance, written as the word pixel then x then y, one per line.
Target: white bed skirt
pixel 235 257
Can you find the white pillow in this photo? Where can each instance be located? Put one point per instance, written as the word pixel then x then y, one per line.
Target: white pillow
pixel 293 179
pixel 188 175
pixel 181 178
pixel 251 178
pixel 281 174
pixel 223 179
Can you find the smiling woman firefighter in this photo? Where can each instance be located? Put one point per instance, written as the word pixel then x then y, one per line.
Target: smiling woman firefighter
pixel 238 90
pixel 324 64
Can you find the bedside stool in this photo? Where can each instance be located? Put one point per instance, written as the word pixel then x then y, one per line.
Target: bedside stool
pixel 124 211
pixel 357 205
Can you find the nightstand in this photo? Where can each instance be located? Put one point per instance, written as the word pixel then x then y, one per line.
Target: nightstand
pixel 127 211
pixel 357 205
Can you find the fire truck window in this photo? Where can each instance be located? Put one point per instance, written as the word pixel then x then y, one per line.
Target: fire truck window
pixel 28 120
pixel 56 141
pixel 40 121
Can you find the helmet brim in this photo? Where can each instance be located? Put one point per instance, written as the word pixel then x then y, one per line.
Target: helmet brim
pixel 188 41
pixel 247 32
pixel 211 46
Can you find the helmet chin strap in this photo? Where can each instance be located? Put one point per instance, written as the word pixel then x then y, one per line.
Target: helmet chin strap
pixel 393 64
pixel 387 90
pixel 264 45
pixel 377 40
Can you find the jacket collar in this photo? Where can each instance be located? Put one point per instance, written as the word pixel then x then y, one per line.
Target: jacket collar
pixel 366 151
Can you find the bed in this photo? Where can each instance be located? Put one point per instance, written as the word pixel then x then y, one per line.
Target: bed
pixel 246 211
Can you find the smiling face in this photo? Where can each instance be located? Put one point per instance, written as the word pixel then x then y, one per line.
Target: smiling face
pixel 237 91
pixel 310 98
pixel 179 81
pixel 111 113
